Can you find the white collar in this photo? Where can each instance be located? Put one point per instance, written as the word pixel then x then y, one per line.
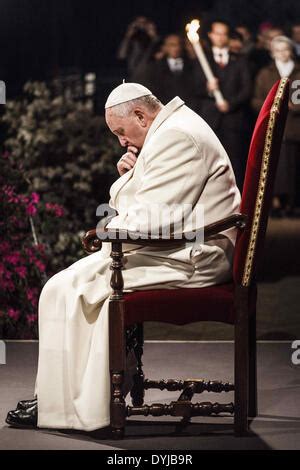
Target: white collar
pixel 163 114
pixel 285 68
pixel 220 50
pixel 172 60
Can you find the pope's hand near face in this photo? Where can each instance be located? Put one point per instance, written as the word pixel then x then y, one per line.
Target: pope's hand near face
pixel 128 160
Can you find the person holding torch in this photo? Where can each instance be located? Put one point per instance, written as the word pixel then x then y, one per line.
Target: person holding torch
pixel 224 91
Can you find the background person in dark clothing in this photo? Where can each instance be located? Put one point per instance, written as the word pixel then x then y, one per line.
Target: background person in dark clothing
pixel 248 42
pixel 283 65
pixel 236 43
pixel 138 44
pixel 233 79
pixel 295 34
pixel 260 55
pixel 172 75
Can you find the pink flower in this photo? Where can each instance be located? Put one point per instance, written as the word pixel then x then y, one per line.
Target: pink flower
pixel 32 295
pixel 21 271
pixel 30 254
pixel 24 199
pixel 7 275
pixel 13 313
pixel 55 208
pixel 29 251
pixel 40 265
pixel 31 209
pixel 9 191
pixel 35 198
pixel 13 259
pixel 14 220
pixel 4 246
pixel 31 318
pixel 14 199
pixel 40 248
pixel 7 285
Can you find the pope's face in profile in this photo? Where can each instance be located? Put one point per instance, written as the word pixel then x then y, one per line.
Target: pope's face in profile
pixel 132 129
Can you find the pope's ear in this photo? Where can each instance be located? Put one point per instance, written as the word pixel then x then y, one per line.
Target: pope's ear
pixel 141 117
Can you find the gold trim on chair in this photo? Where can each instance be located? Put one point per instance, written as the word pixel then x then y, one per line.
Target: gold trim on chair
pixel 262 183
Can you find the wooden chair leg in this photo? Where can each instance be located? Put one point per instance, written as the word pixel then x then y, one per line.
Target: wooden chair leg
pixel 137 391
pixel 117 358
pixel 241 365
pixel 117 405
pixel 252 367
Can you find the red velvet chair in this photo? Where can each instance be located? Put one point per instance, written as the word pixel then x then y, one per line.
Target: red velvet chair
pixel 232 303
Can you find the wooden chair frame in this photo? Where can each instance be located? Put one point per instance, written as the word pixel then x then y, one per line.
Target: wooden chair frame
pixel 121 340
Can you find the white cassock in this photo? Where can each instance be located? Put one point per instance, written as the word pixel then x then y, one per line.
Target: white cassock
pixel 182 162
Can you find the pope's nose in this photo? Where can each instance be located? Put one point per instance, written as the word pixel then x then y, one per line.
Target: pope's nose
pixel 123 142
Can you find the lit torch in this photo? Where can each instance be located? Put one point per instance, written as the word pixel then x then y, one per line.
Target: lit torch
pixel 193 36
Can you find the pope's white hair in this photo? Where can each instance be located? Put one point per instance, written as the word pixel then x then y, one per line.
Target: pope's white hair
pixel 124 109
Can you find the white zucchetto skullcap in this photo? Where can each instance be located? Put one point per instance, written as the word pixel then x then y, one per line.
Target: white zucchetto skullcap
pixel 126 92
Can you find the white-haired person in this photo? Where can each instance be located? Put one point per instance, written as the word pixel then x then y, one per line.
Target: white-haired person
pixel 172 158
pixel 283 65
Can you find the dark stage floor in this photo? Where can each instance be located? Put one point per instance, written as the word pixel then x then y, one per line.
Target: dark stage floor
pixel 276 427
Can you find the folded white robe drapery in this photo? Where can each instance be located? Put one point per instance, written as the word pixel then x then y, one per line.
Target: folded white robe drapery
pixel 182 161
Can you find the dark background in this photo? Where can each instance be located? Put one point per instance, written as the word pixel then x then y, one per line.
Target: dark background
pixel 42 38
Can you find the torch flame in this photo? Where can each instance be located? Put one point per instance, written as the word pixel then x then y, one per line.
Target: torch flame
pixel 191 29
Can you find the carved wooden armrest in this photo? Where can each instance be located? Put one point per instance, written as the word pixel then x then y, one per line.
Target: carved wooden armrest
pixel 92 243
pixel 93 239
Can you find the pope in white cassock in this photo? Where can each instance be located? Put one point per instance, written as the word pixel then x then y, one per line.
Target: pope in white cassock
pixel 173 157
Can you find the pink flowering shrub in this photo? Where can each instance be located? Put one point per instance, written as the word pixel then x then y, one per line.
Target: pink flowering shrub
pixel 24 259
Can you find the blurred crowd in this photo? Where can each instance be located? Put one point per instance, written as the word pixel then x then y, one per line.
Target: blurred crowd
pixel 245 66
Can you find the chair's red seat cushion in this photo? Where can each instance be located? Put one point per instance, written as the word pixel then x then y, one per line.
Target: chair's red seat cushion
pixel 181 306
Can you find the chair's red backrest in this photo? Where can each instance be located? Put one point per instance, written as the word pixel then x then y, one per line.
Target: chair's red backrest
pixel 259 181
